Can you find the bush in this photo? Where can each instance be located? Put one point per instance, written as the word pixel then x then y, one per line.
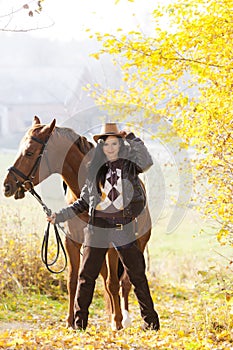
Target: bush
pixel 21 267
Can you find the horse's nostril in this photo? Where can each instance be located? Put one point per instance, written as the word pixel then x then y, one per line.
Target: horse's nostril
pixel 7 189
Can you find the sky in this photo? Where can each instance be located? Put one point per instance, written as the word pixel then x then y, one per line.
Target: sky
pixel 69 19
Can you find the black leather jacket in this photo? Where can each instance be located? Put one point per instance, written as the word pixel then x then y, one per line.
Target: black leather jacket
pixel 136 160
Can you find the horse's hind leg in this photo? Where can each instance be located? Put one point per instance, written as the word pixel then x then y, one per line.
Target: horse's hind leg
pixel 73 253
pixel 113 286
pixel 125 290
pixel 107 295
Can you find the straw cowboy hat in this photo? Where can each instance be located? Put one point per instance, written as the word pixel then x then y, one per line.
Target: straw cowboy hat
pixel 108 129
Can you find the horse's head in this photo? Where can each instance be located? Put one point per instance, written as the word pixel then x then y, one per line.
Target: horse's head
pixel 24 174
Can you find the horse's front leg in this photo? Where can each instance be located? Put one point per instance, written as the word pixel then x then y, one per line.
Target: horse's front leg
pixel 113 286
pixel 73 255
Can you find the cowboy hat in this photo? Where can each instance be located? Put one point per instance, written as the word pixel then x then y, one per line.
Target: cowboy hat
pixel 108 129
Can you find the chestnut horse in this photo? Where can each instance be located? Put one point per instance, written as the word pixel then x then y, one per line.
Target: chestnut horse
pixel 46 150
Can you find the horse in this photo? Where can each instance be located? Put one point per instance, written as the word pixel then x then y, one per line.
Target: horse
pixel 47 149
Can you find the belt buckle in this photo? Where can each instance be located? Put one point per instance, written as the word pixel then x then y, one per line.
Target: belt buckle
pixel 119 227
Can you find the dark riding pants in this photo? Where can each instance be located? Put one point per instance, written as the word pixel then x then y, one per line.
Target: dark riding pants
pixel 134 263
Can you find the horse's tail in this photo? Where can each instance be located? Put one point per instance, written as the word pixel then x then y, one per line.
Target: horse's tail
pixel 64 187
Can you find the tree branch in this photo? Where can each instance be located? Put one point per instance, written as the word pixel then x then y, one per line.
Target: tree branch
pixel 26 6
pixel 11 14
pixel 25 30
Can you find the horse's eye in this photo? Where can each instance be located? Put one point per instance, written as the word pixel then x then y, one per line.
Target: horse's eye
pixel 29 154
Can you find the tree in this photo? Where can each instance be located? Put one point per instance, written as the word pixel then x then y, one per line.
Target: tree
pixel 185 73
pixel 29 9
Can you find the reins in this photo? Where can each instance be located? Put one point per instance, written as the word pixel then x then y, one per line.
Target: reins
pixel 28 186
pixel 45 243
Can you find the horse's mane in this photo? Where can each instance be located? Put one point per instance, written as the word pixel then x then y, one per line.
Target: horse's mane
pixel 80 141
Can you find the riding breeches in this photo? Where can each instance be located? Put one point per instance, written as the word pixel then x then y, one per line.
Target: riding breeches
pixel 133 261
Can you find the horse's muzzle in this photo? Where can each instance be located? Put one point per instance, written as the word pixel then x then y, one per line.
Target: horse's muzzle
pixel 10 190
pixel 7 190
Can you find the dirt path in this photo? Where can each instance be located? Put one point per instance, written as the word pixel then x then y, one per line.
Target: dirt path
pixel 14 325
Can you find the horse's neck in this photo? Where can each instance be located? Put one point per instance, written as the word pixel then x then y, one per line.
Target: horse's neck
pixel 71 167
pixel 70 171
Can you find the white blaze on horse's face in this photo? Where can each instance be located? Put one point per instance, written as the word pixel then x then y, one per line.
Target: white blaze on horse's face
pixel 111 147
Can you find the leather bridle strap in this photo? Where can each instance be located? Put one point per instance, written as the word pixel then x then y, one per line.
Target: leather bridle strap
pixel 13 170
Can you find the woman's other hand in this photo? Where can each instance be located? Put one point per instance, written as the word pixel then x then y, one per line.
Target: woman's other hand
pixel 123 133
pixel 52 218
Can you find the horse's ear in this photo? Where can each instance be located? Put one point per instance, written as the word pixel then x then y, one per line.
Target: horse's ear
pixel 52 125
pixel 36 120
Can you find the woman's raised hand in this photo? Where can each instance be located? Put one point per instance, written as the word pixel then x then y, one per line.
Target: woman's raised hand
pixel 123 133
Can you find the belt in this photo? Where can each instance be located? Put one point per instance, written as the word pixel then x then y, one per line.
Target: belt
pixel 108 215
pixel 119 227
pixel 117 223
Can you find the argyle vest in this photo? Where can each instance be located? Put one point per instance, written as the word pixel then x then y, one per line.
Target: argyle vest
pixel 111 192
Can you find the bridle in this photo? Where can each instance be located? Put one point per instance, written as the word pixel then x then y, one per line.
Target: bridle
pixel 27 184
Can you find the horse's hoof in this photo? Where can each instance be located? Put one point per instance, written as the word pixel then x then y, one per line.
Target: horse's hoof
pixel 126 322
pixel 69 323
pixel 116 326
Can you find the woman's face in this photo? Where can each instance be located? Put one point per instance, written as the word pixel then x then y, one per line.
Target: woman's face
pixel 111 147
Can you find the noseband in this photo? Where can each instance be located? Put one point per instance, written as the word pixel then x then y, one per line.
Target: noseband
pixel 27 184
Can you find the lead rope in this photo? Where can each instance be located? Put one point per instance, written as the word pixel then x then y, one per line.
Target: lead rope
pixel 45 243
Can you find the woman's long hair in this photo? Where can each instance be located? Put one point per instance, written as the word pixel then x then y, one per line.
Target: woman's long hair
pixel 97 167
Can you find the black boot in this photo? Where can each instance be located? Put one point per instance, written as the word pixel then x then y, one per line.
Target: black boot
pixel 91 264
pixel 154 326
pixel 134 263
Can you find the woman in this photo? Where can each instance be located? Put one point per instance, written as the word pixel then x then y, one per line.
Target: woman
pixel 113 197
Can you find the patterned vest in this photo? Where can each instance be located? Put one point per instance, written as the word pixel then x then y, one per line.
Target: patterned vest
pixel 111 192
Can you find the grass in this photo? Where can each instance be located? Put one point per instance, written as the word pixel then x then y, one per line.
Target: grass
pixel 32 307
pixel 190 319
